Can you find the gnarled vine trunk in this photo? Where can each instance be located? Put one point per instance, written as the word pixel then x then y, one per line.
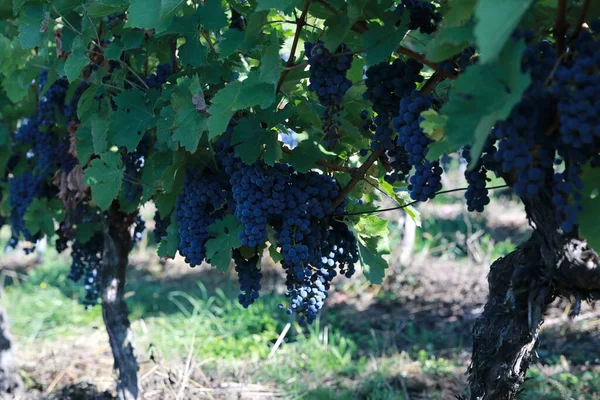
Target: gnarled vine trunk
pixel 522 285
pixel 117 244
pixel 10 381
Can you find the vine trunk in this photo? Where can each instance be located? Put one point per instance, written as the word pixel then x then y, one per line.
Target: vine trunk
pixel 10 381
pixel 117 244
pixel 521 287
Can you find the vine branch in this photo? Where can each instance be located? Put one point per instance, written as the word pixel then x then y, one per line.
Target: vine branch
pixel 581 19
pixel 300 22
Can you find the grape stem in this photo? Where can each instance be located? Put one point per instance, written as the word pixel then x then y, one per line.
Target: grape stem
pixel 300 22
pixel 560 26
pixel 377 210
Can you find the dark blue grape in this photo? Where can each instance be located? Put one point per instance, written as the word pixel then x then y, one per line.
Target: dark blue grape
pixel 423 15
pixel 426 181
pixel 249 277
pixel 162 75
pixel 328 80
pixel 87 264
pixel 410 135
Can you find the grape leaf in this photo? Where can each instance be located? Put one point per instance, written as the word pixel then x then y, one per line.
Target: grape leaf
pixel 433 124
pixel 169 244
pixel 77 60
pixel 101 8
pixel 285 6
pixel 85 145
pixel 459 13
pixel 250 140
pixel 30 24
pixel 86 101
pixel 225 238
pixel 212 16
pixel 449 41
pixel 105 177
pixel 40 214
pixel 373 264
pixel 496 21
pixel 134 116
pixel 143 14
pixel 588 218
pixel 381 40
pixel 482 95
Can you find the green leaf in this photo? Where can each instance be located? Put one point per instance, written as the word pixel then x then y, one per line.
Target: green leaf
pixel 85 144
pixel 169 244
pixel 380 41
pixel 189 123
pixel 143 14
pixel 459 14
pixel 101 8
pixel 250 140
pixel 105 177
pixel 30 26
pixel 39 216
pixel 285 6
pixel 212 16
pixel 193 52
pixel 482 95
pixel 231 41
pixel 433 124
pixel 134 116
pixel 237 96
pixel 98 125
pixel 590 201
pixel 372 262
pixel 449 41
pixel 77 60
pixel 224 238
pixel 86 101
pixel 304 157
pixel 496 21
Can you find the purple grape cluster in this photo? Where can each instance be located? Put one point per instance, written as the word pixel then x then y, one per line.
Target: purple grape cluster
pixel 162 75
pixel 86 263
pixel 249 277
pixel 426 181
pixel 297 206
pixel 410 135
pixel 328 80
pixel 423 15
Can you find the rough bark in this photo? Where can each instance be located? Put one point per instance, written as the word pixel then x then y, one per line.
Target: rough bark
pixel 117 245
pixel 522 285
pixel 10 380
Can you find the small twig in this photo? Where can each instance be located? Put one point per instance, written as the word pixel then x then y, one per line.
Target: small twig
pixel 123 63
pixel 67 23
pixel 560 26
pixel 300 24
pixel 420 58
pixel 206 36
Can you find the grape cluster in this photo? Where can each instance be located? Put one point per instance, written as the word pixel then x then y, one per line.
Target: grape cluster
pixel 410 135
pixel 134 163
pixel 477 195
pixel 139 226
pixel 328 80
pixel 162 75
pixel 423 15
pixel 200 204
pixel 87 264
pixel 52 100
pixel 22 190
pixel 297 206
pixel 249 277
pixel 160 226
pixel 386 85
pixel 426 181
